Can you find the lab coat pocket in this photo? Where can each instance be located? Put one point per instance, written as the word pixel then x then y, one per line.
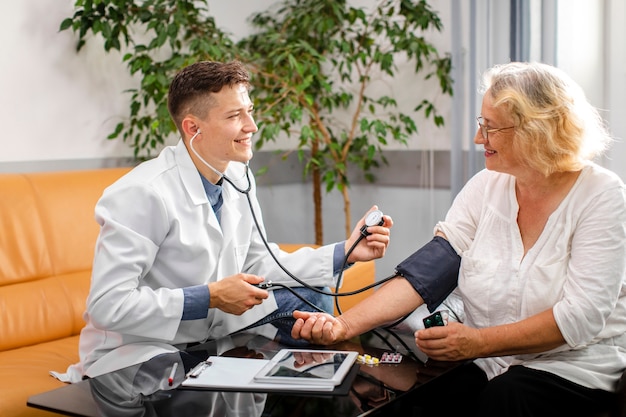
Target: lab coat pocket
pixel 241 252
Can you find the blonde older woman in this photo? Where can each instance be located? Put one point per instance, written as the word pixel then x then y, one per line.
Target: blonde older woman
pixel 542 237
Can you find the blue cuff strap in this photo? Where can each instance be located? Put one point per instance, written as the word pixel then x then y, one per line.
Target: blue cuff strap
pixel 433 271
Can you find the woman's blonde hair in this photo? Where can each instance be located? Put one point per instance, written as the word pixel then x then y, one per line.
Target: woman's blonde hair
pixel 556 128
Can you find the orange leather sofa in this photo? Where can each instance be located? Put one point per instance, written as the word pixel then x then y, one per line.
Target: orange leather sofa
pixel 47 238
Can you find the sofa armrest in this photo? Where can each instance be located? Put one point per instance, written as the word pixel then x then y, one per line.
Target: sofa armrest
pixel 358 276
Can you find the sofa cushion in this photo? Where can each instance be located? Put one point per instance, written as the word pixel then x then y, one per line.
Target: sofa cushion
pixel 43 310
pixel 39 217
pixel 24 372
pixel 46 250
pixel 23 253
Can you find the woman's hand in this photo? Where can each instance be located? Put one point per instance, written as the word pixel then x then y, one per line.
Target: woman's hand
pixel 453 342
pixel 303 359
pixel 318 328
pixel 535 334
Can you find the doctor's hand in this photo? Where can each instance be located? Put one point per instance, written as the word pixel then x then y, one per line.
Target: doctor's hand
pixel 237 294
pixel 372 246
pixel 318 328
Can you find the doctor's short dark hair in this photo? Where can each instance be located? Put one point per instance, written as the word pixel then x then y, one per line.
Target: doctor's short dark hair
pixel 190 90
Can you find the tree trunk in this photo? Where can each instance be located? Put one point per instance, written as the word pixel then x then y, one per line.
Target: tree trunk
pixel 317 198
pixel 346 210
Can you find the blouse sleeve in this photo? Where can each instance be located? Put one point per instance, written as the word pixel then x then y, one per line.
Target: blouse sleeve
pixel 597 266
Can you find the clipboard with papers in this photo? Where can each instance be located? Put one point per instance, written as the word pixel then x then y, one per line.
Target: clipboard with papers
pixel 290 370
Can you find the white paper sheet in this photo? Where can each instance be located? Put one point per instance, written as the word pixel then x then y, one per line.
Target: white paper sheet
pixel 238 373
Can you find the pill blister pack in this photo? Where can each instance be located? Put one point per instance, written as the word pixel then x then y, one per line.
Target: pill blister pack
pixel 387 357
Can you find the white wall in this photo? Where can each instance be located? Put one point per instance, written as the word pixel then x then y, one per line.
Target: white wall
pixel 591 49
pixel 615 82
pixel 54 103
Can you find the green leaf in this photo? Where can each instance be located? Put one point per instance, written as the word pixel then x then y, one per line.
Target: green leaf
pixel 117 131
pixel 66 23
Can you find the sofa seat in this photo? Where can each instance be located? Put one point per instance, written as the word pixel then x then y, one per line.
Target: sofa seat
pixel 24 372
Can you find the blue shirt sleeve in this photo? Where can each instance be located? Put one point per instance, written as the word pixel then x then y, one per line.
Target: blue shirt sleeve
pixel 197 300
pixel 338 257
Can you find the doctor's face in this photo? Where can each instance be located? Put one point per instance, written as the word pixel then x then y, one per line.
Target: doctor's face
pixel 226 131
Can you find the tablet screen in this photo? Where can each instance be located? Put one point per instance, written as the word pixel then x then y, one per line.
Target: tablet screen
pixel 308 366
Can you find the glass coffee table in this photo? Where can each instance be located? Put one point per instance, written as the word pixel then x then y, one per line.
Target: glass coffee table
pixel 143 389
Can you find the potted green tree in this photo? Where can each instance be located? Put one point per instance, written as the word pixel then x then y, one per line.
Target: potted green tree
pixel 312 63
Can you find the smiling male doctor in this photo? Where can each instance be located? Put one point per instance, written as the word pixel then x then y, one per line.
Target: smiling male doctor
pixel 178 251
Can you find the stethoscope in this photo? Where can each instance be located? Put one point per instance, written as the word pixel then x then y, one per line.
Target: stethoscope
pixel 374 218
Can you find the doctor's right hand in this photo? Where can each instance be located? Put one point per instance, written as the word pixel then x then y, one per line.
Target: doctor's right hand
pixel 237 294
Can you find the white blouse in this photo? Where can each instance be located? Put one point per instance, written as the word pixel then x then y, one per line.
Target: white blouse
pixel 577 267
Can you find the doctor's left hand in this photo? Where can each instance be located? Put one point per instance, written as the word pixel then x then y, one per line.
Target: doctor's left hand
pixel 372 246
pixel 237 294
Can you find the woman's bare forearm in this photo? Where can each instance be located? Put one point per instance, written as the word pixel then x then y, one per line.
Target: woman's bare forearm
pixel 391 301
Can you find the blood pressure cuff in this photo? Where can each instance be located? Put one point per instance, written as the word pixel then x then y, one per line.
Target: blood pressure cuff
pixel 433 271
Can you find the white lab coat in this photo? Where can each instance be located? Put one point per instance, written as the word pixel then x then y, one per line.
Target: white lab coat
pixel 158 235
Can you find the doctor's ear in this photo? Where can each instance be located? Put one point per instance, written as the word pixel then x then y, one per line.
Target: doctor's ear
pixel 190 126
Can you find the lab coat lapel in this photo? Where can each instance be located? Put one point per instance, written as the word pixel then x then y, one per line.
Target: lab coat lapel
pixel 234 203
pixel 231 215
pixel 190 178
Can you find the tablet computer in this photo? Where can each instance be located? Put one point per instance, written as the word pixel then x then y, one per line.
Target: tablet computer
pixel 307 367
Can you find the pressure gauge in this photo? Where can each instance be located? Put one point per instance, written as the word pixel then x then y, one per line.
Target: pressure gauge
pixel 374 218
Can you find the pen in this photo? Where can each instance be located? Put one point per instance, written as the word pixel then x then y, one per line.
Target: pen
pixel 170 380
pixel 197 370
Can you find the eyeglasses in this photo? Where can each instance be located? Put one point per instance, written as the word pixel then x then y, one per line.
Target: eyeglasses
pixel 485 131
